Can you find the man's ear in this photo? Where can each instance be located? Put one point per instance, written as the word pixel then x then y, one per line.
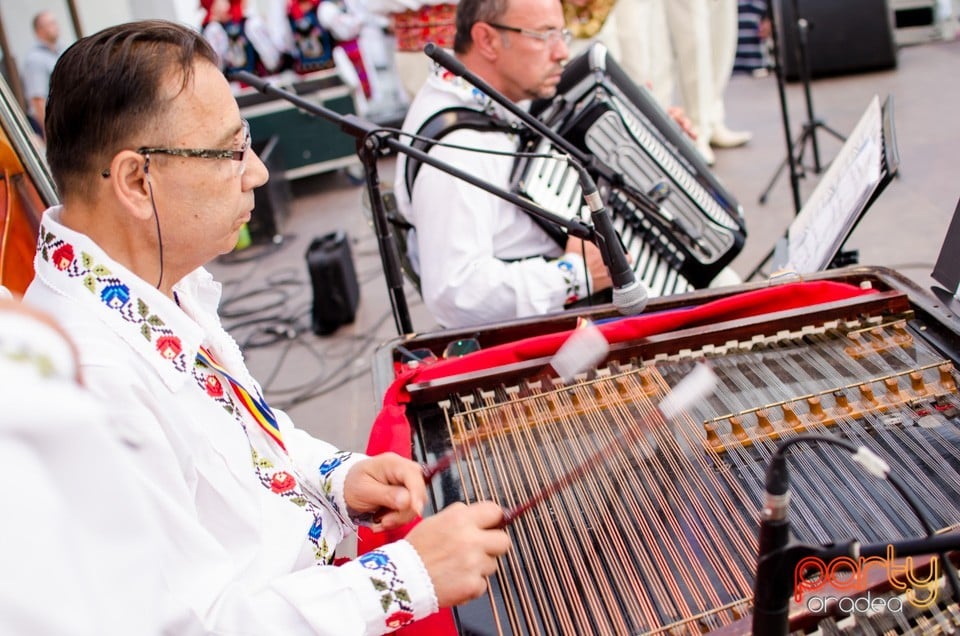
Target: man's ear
pixel 129 177
pixel 486 40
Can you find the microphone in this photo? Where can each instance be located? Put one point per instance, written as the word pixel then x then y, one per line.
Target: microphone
pixel 772 587
pixel 629 295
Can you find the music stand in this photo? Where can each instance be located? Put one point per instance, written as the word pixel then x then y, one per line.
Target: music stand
pixel 947 270
pixel 796 149
pixel 866 163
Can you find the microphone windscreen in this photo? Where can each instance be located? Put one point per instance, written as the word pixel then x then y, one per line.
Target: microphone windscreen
pixel 631 299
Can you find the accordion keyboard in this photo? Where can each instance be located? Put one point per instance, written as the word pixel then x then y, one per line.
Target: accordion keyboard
pixel 677 221
pixel 656 261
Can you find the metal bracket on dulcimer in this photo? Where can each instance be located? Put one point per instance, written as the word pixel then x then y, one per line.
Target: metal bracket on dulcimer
pixel 916 390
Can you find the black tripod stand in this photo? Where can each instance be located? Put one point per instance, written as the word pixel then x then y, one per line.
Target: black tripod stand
pixel 796 149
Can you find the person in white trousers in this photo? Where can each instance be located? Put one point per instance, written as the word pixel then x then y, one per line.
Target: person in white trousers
pixel 646 54
pixel 703 34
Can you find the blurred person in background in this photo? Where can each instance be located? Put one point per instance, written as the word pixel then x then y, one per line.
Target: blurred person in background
pixel 414 23
pixel 38 65
pixel 703 34
pixel 240 38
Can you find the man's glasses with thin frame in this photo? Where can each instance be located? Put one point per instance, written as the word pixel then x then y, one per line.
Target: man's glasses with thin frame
pixel 549 36
pixel 201 153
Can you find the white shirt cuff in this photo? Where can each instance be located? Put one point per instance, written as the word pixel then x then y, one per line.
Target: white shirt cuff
pixel 400 587
pixel 333 474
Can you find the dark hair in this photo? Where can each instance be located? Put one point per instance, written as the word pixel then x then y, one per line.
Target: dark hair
pixel 106 87
pixel 469 12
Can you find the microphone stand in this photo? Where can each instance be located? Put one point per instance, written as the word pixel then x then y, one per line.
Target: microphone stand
pixel 373 142
pixel 809 129
pixel 791 159
pixel 455 66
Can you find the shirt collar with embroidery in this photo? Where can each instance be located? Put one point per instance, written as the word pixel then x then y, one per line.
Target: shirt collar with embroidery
pixel 443 80
pixel 166 337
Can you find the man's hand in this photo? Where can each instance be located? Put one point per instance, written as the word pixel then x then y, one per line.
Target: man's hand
pixel 387 487
pixel 679 116
pixel 593 259
pixel 459 547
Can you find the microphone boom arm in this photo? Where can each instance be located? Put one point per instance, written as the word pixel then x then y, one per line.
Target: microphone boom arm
pixel 452 64
pixel 371 133
pixel 371 140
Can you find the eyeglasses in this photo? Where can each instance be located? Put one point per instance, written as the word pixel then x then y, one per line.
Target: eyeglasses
pixel 235 155
pixel 550 36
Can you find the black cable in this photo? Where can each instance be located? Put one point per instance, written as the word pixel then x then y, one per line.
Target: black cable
pixel 322 388
pixel 503 153
pixel 319 384
pixel 156 217
pixel 272 315
pixel 321 392
pixel 583 255
pixel 282 296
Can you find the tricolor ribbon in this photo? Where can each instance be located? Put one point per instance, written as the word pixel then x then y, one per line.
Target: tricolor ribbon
pixel 256 405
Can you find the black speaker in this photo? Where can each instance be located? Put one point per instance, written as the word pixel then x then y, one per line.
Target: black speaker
pixel 843 36
pixel 336 293
pixel 271 201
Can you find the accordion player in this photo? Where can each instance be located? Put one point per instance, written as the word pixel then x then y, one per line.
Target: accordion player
pixel 676 220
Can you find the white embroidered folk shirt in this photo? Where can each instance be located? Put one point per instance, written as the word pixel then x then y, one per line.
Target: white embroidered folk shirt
pixel 78 546
pixel 480 259
pixel 255 523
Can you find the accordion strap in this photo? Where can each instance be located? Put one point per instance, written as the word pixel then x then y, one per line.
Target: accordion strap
pixel 441 124
pixel 448 120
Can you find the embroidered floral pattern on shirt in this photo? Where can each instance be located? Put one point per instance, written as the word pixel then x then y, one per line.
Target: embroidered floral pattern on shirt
pixel 22 355
pixel 282 482
pixel 394 597
pixel 113 293
pixel 278 481
pixel 326 479
pixel 212 385
pixel 467 92
pixel 570 278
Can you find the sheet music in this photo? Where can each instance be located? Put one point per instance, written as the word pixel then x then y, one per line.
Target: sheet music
pixel 823 223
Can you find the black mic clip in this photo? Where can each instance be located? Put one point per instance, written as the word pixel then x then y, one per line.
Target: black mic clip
pixel 629 295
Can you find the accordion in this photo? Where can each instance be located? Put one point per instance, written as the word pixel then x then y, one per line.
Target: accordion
pixel 675 219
